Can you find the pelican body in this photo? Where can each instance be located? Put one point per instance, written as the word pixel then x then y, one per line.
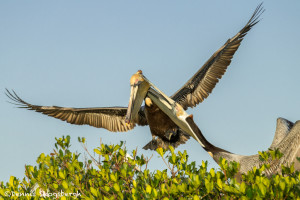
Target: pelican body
pixel 164 130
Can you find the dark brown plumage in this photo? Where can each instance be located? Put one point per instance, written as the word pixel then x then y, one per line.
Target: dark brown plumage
pixel 164 131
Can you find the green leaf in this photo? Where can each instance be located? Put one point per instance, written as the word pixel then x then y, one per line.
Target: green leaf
pixel 11 181
pixel 196 180
pixel 209 185
pixel 182 187
pixel 94 191
pixel 148 189
pixel 64 184
pixel 154 192
pixel 173 158
pixel 292 168
pixel 134 183
pixel 266 182
pixel 61 175
pixel 113 178
pixel 123 172
pixel 249 193
pixel 133 190
pixel 262 189
pixel 122 153
pixel 116 147
pixel 171 149
pixel 220 183
pixel 243 187
pixel 173 189
pixel 212 172
pixel 282 185
pixel 116 187
pixel 196 197
pixel 97 151
pixel 160 151
pixel 203 164
pixel 106 188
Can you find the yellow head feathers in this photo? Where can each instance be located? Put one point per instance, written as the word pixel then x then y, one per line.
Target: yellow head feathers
pixel 137 77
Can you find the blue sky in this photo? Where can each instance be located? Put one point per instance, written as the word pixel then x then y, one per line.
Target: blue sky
pixel 83 53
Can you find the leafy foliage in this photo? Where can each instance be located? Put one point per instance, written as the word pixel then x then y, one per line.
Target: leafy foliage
pixel 118 175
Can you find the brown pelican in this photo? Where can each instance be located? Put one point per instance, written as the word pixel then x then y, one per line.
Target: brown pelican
pixel 192 93
pixel 286 139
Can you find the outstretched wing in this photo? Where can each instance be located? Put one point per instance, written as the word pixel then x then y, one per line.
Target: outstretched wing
pixel 110 118
pixel 283 128
pixel 203 82
pixel 289 146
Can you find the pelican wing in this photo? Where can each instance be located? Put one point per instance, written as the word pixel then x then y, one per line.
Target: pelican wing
pixel 283 128
pixel 203 82
pixel 110 118
pixel 290 147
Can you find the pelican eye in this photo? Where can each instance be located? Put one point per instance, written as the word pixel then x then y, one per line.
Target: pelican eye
pixel 137 83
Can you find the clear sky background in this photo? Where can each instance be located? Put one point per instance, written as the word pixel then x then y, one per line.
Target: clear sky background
pixel 83 53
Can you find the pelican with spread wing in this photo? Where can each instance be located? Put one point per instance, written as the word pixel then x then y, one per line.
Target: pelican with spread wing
pixel 164 131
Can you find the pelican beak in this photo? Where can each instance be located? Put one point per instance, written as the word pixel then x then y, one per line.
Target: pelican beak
pixel 138 91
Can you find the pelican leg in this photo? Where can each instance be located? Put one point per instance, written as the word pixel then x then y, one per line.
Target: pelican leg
pixel 176 138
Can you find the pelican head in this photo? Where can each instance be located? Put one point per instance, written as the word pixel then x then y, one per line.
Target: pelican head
pixel 138 91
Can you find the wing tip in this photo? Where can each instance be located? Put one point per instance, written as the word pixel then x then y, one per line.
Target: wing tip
pixel 11 95
pixel 16 100
pixel 255 18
